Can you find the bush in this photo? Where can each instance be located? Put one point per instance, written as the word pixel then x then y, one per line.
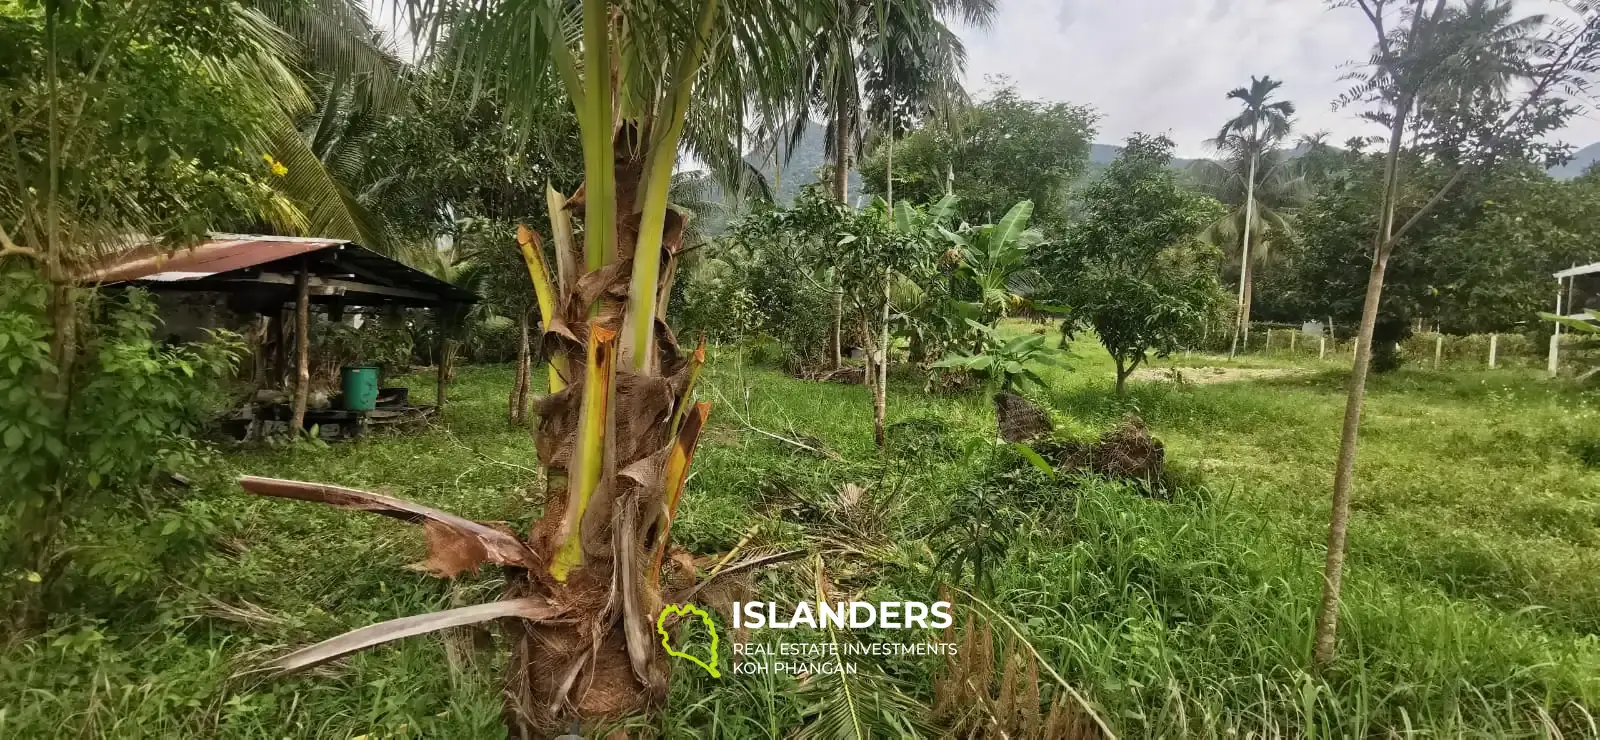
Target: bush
pixel 131 410
pixel 743 292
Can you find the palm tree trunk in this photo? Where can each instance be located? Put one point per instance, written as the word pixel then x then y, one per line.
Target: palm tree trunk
pixel 1249 298
pixel 1243 327
pixel 519 391
pixel 841 192
pixel 1349 435
pixel 841 153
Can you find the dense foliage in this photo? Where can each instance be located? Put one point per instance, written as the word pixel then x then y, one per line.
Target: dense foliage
pixel 136 408
pixel 1002 150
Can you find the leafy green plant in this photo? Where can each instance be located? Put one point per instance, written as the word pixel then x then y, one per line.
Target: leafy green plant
pixel 133 409
pixel 1002 362
pixel 994 261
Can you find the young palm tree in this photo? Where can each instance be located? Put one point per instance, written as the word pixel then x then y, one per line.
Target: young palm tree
pixel 1261 124
pixel 618 430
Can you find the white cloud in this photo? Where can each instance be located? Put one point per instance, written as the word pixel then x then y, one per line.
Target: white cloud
pixel 1165 66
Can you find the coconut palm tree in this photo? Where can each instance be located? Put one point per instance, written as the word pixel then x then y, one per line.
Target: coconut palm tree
pixel 584 588
pixel 878 63
pixel 1261 124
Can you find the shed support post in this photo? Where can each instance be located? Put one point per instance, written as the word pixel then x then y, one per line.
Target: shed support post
pixel 302 348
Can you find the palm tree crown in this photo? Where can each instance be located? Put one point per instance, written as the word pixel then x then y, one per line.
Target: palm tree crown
pixel 1261 120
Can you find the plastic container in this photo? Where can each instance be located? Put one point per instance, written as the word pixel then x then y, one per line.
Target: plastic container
pixel 360 386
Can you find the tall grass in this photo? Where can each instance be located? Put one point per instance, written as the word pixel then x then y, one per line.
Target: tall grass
pixel 1471 607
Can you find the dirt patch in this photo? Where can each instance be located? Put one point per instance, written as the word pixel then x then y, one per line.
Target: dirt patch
pixel 1208 375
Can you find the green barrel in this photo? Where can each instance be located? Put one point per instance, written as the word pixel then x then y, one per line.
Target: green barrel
pixel 360 386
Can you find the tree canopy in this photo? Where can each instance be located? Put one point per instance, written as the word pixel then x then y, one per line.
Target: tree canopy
pixel 1134 267
pixel 1000 151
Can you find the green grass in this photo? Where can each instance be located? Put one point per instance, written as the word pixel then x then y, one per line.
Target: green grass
pixel 1472 593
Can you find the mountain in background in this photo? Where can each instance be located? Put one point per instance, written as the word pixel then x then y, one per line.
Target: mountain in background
pixel 1101 156
pixel 1582 160
pixel 810 156
pixel 801 170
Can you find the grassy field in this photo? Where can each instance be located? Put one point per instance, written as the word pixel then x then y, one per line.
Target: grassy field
pixel 1472 595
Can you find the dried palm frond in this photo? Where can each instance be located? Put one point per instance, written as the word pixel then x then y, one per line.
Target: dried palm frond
pixel 987 694
pixel 857 705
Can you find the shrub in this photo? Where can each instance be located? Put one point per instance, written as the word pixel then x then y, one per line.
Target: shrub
pixel 131 410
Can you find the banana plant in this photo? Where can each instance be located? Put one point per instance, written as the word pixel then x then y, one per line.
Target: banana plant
pixel 994 259
pixel 1003 363
pixel 618 431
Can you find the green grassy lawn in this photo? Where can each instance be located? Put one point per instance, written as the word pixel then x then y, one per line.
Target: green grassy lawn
pixel 1472 592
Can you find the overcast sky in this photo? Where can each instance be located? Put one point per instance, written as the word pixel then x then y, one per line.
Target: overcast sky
pixel 1164 66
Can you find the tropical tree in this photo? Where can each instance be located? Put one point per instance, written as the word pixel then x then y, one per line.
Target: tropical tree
pixel 1003 362
pixel 126 125
pixel 619 428
pixel 1258 127
pixel 1001 150
pixel 1424 53
pixel 1134 267
pixel 1260 208
pixel 879 64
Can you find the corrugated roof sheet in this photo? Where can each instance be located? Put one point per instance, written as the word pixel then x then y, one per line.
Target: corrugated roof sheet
pixel 221 253
pixel 1579 270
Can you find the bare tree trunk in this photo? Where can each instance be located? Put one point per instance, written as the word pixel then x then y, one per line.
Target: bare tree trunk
pixel 302 348
pixel 880 394
pixel 838 330
pixel 1124 371
pixel 447 358
pixel 1344 469
pixel 841 192
pixel 869 374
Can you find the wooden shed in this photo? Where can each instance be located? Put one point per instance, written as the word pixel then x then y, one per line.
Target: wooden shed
pixel 269 275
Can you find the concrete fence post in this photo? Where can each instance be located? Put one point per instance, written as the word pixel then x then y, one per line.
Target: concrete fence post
pixel 1322 347
pixel 1438 349
pixel 1494 348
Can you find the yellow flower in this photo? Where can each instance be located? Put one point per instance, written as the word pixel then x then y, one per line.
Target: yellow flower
pixel 266 158
pixel 279 170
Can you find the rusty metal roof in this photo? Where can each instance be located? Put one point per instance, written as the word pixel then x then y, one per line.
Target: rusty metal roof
pixel 220 253
pixel 266 265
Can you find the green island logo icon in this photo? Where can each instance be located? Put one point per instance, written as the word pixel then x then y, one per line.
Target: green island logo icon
pixel 681 610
